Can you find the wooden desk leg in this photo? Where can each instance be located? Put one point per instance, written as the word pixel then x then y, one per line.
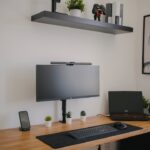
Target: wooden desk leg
pixel 99 147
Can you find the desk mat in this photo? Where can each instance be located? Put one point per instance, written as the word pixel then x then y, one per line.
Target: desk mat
pixel 63 139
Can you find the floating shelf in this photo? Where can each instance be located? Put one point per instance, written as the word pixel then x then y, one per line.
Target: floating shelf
pixel 79 23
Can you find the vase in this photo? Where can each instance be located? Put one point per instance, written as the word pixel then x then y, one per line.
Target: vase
pixel 48 123
pixel 69 120
pixel 83 118
pixel 75 12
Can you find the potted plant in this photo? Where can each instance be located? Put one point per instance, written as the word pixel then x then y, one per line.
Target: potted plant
pixel 83 115
pixel 48 121
pixel 69 117
pixel 75 7
pixel 146 105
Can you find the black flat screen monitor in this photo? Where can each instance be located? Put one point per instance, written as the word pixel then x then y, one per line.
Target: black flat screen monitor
pixel 61 82
pixel 125 102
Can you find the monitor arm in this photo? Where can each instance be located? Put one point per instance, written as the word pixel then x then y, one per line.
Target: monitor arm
pixel 64 111
pixel 54 2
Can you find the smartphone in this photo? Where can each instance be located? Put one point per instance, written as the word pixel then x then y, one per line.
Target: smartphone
pixel 24 121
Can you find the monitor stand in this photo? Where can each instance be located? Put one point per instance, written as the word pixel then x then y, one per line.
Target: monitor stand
pixel 63 111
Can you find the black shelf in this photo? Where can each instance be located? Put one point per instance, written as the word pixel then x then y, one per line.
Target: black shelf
pixel 79 23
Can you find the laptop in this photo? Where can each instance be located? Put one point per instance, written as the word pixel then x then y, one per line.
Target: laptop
pixel 126 106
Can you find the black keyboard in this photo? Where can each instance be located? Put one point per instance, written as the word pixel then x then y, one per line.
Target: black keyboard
pixel 92 131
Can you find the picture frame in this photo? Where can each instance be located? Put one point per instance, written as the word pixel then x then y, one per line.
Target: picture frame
pixel 146 45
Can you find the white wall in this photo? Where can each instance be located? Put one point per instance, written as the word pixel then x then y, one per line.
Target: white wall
pixel 143 81
pixel 23 44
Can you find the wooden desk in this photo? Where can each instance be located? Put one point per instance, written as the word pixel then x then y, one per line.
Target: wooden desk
pixel 13 139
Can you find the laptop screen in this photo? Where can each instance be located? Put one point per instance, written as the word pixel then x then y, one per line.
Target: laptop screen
pixel 125 102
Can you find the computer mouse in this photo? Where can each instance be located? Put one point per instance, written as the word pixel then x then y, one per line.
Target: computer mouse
pixel 120 125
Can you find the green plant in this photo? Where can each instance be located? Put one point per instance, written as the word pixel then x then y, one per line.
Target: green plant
pixel 69 114
pixel 75 4
pixel 48 118
pixel 145 102
pixel 82 113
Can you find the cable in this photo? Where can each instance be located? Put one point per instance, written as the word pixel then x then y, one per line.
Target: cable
pixel 105 115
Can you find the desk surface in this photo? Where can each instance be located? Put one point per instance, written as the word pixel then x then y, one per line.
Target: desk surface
pixel 16 140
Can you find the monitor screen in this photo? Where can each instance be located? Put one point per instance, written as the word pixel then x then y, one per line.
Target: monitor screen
pixel 60 82
pixel 125 102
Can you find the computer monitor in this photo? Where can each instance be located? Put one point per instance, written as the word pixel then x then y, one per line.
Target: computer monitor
pixel 62 82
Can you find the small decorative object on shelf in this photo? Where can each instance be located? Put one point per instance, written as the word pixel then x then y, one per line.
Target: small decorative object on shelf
pixel 48 121
pixel 117 11
pixel 99 12
pixel 54 2
pixel 75 7
pixel 109 12
pixel 69 117
pixel 83 115
pixel 146 105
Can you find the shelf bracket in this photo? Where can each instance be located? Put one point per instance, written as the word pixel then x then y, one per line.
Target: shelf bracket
pixel 54 2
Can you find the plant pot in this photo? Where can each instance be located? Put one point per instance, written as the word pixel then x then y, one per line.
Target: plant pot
pixel 83 118
pixel 48 123
pixel 75 12
pixel 146 111
pixel 69 120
